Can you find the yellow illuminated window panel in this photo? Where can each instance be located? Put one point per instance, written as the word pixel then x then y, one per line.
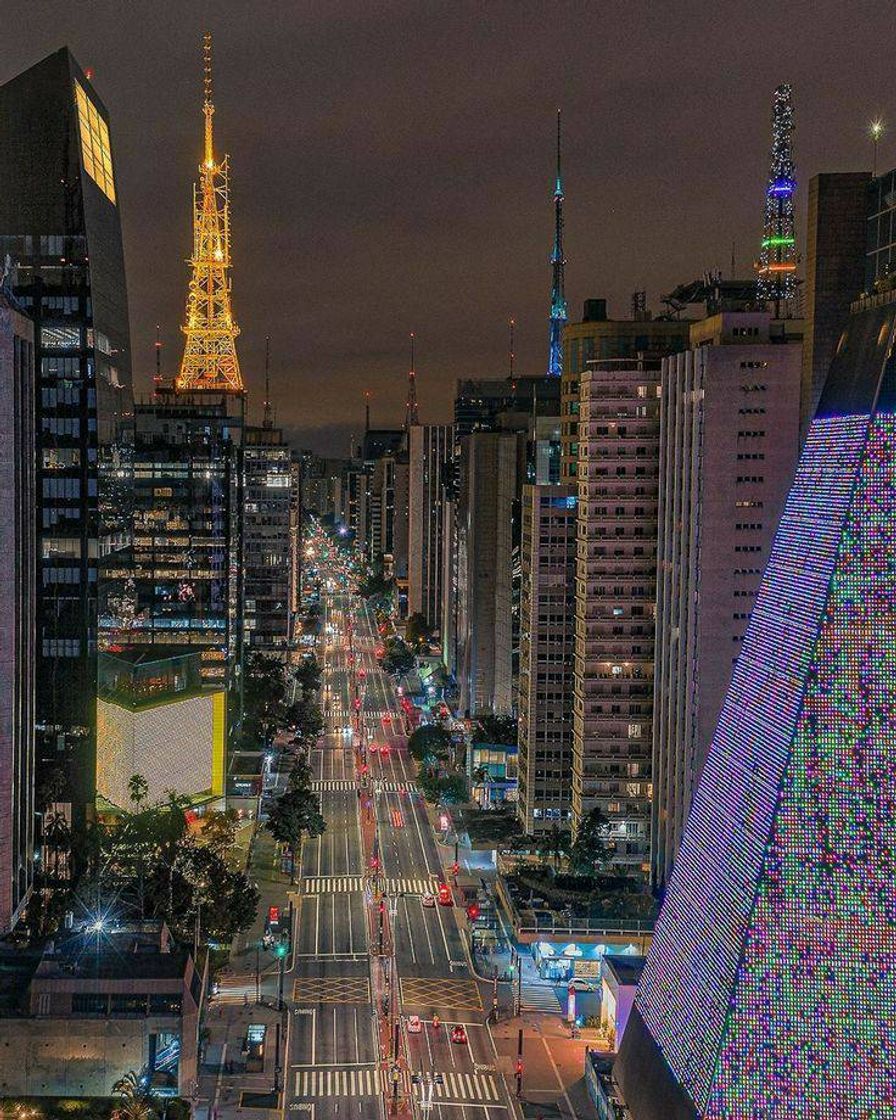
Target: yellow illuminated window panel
pixel 96 153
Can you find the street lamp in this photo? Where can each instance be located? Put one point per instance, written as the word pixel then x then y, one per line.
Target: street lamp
pixel 876 129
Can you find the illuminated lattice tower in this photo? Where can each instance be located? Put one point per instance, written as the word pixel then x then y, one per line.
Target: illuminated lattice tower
pixel 770 988
pixel 210 360
pixel 777 260
pixel 558 267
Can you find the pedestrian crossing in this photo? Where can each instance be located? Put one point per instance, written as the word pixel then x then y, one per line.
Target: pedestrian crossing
pixel 539 997
pixel 343 884
pixel 236 989
pixel 337 1082
pixel 457 1086
pixel 345 785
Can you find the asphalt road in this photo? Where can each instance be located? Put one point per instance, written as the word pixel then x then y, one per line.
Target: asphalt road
pixel 332 1066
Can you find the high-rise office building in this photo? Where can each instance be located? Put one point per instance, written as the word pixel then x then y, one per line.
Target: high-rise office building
pixel 618 471
pixel 17 611
pixel 611 467
pixel 547 636
pixel 60 226
pixel 430 449
pixel 769 987
pixel 188 517
pixel 492 471
pixel 729 442
pixel 268 546
pixel 479 402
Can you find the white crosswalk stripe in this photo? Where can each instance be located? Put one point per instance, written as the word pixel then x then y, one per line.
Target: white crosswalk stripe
pixel 337 1082
pixel 539 997
pixel 343 884
pixel 236 989
pixel 466 1087
pixel 336 785
pixel 333 884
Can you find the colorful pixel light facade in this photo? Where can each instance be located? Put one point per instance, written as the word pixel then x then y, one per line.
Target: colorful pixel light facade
pixel 770 989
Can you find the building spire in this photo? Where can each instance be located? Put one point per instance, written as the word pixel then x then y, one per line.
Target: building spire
pixel 558 263
pixel 268 418
pixel 411 416
pixel 210 360
pixel 777 260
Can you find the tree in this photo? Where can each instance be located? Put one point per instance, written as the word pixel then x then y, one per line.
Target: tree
pixel 495 729
pixel 307 673
pixel 397 658
pixel 219 830
pixel 447 788
pixel 138 788
pixel 430 744
pixel 295 814
pixel 417 632
pixel 556 843
pixel 589 850
pixel 135 1103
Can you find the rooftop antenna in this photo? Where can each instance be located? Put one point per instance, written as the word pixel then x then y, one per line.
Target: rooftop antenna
pixel 366 410
pixel 268 420
pixel 512 355
pixel 158 355
pixel 411 415
pixel 733 262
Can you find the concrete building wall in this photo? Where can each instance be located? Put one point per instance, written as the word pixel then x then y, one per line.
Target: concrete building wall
pixel 429 448
pixel 17 612
pixel 547 632
pixel 617 474
pixel 728 451
pixel 492 471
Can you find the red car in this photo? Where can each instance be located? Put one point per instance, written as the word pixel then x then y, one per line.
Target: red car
pixel 445 896
pixel 459 1035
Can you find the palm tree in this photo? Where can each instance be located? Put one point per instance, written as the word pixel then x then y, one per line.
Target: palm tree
pixel 136 1104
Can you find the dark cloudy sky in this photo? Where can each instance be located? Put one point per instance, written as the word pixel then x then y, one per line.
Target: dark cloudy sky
pixel 392 165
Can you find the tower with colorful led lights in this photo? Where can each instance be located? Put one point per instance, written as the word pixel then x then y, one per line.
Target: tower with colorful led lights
pixel 210 360
pixel 558 264
pixel 777 260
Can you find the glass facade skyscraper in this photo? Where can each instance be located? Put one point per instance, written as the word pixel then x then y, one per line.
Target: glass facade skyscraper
pixel 60 228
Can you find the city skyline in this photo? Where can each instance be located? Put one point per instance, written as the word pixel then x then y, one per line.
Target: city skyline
pixel 362 273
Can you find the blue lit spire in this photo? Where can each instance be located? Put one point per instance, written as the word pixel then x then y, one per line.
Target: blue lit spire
pixel 558 263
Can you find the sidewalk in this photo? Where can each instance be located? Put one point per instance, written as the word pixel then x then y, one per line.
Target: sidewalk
pixel 225 1088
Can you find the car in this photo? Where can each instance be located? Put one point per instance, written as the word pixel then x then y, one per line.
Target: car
pixel 459 1035
pixel 429 901
pixel 373 748
pixel 414 1024
pixel 446 898
pixel 580 984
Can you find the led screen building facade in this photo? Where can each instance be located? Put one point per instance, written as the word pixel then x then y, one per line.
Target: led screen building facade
pixel 769 989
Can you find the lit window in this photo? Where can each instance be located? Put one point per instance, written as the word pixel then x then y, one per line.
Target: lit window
pixel 96 152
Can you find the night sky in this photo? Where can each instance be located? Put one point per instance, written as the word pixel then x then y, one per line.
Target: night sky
pixel 393 167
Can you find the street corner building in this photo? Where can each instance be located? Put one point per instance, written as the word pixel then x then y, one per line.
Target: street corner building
pixel 769 989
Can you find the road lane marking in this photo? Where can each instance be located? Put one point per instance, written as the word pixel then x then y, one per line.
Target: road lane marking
pixel 321 1083
pixel 331 989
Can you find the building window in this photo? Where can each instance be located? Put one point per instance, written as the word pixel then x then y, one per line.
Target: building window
pixel 96 152
pixel 60 337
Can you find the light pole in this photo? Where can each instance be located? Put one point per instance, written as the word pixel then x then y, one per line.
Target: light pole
pixel 875 130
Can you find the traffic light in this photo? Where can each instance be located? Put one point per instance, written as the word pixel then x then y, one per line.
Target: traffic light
pixel 282 949
pixel 473 911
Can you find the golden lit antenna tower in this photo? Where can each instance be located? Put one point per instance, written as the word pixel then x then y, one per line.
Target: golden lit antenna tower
pixel 210 360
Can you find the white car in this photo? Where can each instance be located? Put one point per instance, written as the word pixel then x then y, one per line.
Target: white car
pixel 579 984
pixel 414 1024
pixel 429 901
